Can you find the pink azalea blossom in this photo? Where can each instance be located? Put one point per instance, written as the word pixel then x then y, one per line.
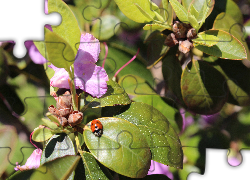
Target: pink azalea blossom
pixel 33 162
pixel 88 76
pixel 34 54
pixel 158 168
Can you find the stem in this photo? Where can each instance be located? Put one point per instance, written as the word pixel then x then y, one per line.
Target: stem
pixel 73 88
pixel 127 63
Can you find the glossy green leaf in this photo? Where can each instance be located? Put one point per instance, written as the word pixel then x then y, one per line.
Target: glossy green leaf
pixel 8 141
pixel 78 14
pixel 206 39
pixel 180 11
pixel 201 94
pixel 171 70
pixel 165 106
pixel 159 27
pixel 60 53
pixel 115 95
pixel 226 23
pixel 49 124
pixel 193 11
pixel 58 146
pixel 228 46
pixel 92 169
pixel 68 29
pixel 58 169
pixel 134 13
pixel 203 7
pixel 42 134
pixel 162 139
pixel 121 141
pixel 238 80
pixel 105 27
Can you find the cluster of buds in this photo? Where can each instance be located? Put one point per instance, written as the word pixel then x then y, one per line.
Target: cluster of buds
pixel 64 111
pixel 182 35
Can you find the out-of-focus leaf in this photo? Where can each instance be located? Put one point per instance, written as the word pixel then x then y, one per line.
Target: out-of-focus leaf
pixel 71 35
pixel 105 27
pixel 227 6
pixel 57 169
pixel 159 27
pixel 8 141
pixel 203 95
pixel 228 46
pixel 133 12
pixel 238 80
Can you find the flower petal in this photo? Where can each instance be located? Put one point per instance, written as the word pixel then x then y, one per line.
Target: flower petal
pixel 60 78
pixel 91 79
pixel 89 49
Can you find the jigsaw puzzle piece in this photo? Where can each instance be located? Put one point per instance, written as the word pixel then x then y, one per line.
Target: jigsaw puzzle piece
pixel 217 166
pixel 30 16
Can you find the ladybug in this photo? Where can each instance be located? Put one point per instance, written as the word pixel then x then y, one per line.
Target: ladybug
pixel 96 128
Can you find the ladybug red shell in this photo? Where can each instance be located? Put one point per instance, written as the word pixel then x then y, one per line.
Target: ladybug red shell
pixel 96 128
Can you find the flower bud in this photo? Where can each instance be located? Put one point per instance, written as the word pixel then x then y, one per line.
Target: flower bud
pixel 53 110
pixel 75 118
pixel 33 162
pixel 63 121
pixel 185 46
pixel 171 40
pixel 180 30
pixel 64 104
pixel 191 34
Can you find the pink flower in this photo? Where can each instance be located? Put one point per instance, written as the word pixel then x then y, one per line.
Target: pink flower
pixel 34 54
pixel 33 162
pixel 158 168
pixel 88 76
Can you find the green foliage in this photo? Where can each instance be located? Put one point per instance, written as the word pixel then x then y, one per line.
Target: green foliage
pixel 120 141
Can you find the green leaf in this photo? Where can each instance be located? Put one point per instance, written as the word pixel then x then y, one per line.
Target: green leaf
pixel 8 141
pixel 68 29
pixel 58 146
pixel 168 12
pixel 193 21
pixel 226 23
pixel 228 46
pixel 135 85
pixel 180 11
pixel 121 141
pixel 105 27
pixel 60 53
pixel 227 6
pixel 193 11
pixel 53 118
pixel 165 106
pixel 206 39
pixel 115 95
pixel 162 139
pixel 238 80
pixel 171 70
pixel 203 88
pixel 92 168
pixel 132 11
pixel 49 124
pixel 42 134
pixel 60 168
pixel 159 27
